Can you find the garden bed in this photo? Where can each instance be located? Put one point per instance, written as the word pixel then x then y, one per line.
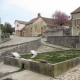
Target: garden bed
pixel 54 57
pixel 51 63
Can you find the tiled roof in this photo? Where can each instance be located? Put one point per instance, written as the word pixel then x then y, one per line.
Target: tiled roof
pixel 21 22
pixel 76 11
pixel 32 21
pixel 48 21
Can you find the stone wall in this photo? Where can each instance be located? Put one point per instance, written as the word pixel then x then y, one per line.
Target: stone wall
pixel 78 46
pixel 23 48
pixel 48 69
pixel 55 33
pixel 67 41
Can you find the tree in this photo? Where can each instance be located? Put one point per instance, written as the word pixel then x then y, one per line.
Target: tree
pixel 1 26
pixel 8 28
pixel 60 18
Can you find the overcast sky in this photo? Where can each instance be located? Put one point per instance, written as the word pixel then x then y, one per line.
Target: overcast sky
pixel 11 10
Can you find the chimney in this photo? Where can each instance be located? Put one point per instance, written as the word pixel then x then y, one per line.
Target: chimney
pixel 39 15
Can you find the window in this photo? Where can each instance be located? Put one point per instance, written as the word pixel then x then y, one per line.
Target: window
pixel 17 25
pixel 77 22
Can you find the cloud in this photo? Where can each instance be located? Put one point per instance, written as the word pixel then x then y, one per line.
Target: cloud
pixel 32 7
pixel 46 7
pixel 5 5
pixel 6 8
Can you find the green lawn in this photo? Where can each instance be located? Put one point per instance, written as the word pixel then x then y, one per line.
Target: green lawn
pixel 55 57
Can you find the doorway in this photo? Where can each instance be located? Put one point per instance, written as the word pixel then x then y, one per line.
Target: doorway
pixel 41 30
pixel 20 33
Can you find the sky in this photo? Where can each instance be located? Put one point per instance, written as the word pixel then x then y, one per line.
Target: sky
pixel 25 10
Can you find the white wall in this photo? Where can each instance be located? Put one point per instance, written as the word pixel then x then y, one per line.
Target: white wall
pixel 19 27
pixel 75 29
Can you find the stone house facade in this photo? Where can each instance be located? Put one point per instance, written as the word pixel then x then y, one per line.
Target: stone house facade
pixel 37 26
pixel 19 27
pixel 75 22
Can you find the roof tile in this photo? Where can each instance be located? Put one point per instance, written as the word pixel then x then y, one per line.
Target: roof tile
pixel 21 22
pixel 48 21
pixel 76 11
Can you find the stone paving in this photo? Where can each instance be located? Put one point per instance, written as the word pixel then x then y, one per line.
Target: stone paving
pixel 17 40
pixel 27 75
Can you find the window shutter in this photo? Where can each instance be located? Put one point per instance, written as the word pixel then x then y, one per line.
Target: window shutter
pixel 75 22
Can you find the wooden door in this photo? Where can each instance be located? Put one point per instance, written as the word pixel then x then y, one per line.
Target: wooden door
pixel 20 33
pixel 41 30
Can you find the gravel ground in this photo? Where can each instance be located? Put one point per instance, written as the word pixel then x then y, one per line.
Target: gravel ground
pixel 72 74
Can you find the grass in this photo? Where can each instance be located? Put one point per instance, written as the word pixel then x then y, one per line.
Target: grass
pixel 55 57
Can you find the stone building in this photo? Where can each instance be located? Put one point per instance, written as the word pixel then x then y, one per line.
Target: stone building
pixel 19 27
pixel 37 26
pixel 75 22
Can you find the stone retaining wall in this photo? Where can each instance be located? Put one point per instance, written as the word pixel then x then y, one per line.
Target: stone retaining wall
pixel 55 33
pixel 78 46
pixel 48 69
pixel 67 41
pixel 23 48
